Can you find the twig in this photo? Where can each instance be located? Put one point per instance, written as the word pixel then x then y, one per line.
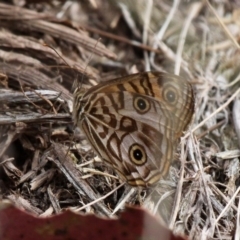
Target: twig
pixel 121 39
pixel 214 113
pixel 237 233
pixel 147 18
pixel 101 198
pixel 199 136
pixel 178 194
pixel 193 12
pixel 131 192
pixel 162 31
pixel 223 25
pixel 228 205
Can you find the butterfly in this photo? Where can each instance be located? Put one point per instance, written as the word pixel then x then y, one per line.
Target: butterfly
pixel 134 123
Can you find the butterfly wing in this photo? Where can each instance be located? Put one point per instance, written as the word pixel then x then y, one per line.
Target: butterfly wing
pixel 134 123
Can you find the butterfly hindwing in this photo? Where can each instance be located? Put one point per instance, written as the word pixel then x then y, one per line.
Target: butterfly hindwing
pixel 134 123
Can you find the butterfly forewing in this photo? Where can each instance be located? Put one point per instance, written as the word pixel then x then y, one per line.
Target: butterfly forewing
pixel 134 123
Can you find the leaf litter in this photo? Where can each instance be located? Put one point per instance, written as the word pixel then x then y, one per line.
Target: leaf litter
pixel 47 166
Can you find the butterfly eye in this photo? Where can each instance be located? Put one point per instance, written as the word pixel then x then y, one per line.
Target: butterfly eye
pixel 169 95
pixel 141 105
pixel 137 154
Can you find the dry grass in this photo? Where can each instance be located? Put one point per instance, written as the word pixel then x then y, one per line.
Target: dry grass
pixel 39 151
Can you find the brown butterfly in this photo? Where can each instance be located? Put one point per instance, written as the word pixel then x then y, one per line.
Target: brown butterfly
pixel 134 123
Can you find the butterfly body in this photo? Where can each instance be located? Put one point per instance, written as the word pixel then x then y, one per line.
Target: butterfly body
pixel 134 123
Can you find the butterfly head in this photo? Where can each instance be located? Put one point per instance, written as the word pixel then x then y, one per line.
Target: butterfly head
pixel 77 104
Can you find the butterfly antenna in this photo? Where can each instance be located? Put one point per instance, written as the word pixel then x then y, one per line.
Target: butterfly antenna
pixel 88 61
pixel 57 54
pixel 76 84
pixel 73 83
